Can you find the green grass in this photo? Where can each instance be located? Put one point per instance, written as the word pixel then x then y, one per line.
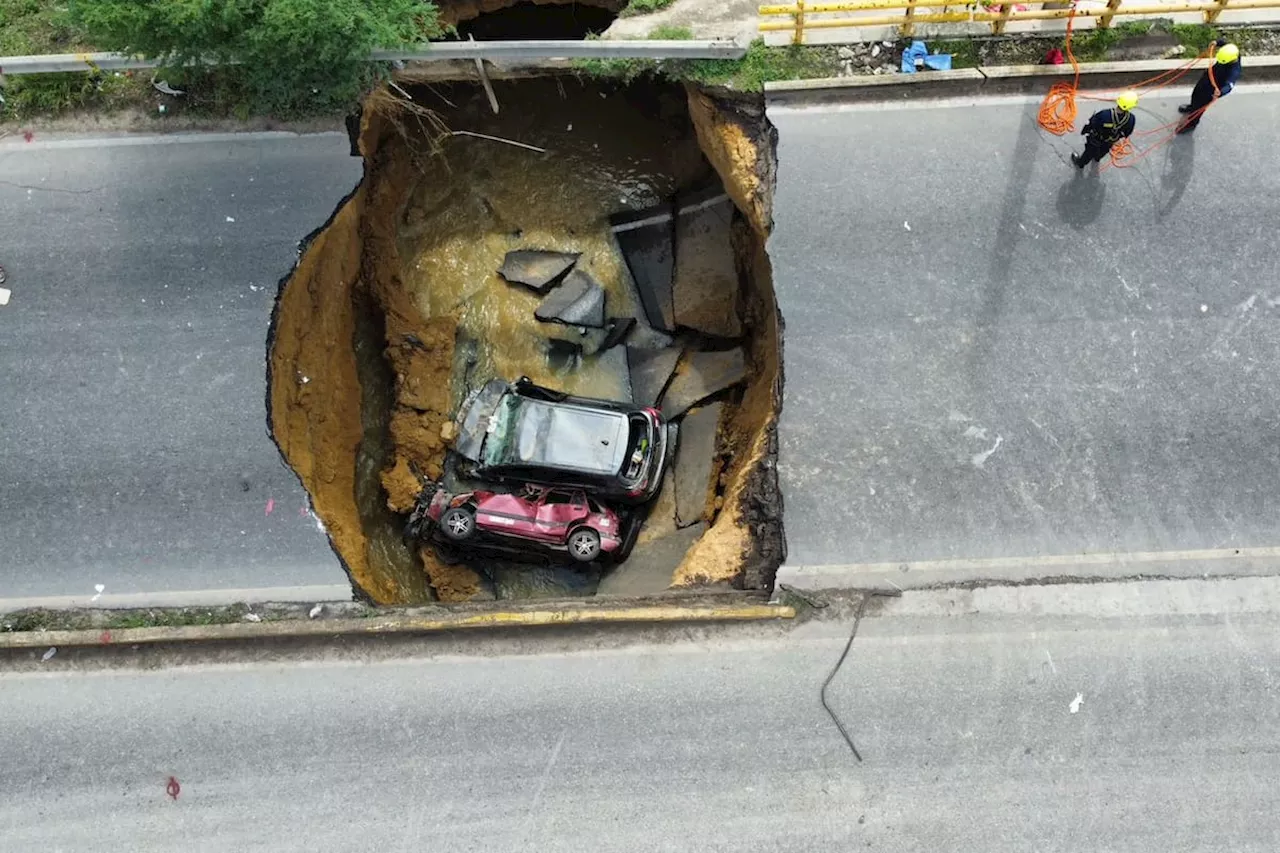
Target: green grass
pixel 71 620
pixel 762 64
pixel 668 32
pixel 36 26
pixel 964 52
pixel 644 7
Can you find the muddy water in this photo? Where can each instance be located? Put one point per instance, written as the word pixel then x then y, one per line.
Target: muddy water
pixel 606 151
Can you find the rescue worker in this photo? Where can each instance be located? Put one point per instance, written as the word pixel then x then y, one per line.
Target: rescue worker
pixel 1106 128
pixel 1216 81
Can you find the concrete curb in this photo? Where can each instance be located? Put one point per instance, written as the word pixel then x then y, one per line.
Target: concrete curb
pixel 988 80
pixel 1222 563
pixel 383 625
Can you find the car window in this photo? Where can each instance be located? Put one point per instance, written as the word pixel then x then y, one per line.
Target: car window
pixel 595 507
pixel 557 497
pixel 502 432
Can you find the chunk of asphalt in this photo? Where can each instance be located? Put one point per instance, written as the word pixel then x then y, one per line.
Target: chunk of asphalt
pixel 650 370
pixel 578 301
pixel 644 336
pixel 536 268
pixel 703 374
pixel 692 471
pixel 647 241
pixel 705 283
pixel 651 565
pixel 617 329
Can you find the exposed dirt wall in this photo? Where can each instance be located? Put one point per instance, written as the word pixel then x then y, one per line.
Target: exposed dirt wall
pixel 313 391
pixel 745 544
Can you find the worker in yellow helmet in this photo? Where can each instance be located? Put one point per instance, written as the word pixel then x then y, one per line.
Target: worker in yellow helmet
pixel 1106 128
pixel 1217 80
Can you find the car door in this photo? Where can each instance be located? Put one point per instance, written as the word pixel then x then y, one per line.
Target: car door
pixel 556 511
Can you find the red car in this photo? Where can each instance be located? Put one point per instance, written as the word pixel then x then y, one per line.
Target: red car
pixel 561 519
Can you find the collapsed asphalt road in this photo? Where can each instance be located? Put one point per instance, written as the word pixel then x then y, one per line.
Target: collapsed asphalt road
pixel 1022 717
pixel 990 357
pixel 133 451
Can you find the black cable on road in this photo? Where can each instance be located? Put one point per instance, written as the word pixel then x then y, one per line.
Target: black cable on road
pixel 853 632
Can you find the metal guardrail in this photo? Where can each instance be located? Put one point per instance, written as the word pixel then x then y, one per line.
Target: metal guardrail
pixel 432 52
pixel 995 14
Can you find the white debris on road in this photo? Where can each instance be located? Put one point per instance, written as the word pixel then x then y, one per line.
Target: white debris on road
pixel 98 590
pixel 48 656
pixel 1076 702
pixel 315 611
pixel 980 459
pixel 5 293
pixel 906 225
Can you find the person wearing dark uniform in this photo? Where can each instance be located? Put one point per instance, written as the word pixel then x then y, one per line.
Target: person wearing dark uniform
pixel 1106 128
pixel 1216 81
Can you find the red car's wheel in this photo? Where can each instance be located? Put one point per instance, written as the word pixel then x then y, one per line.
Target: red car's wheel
pixel 584 545
pixel 458 523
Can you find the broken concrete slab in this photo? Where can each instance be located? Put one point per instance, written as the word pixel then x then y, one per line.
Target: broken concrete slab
pixel 578 301
pixel 647 241
pixel 644 336
pixel 538 269
pixel 692 471
pixel 705 285
pixel 651 371
pixel 618 328
pixel 650 567
pixel 700 376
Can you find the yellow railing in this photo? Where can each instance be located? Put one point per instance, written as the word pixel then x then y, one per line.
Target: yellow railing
pixel 906 14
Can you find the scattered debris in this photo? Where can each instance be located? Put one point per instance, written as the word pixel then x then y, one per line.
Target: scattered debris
pixel 578 301
pixel 906 225
pixel 979 460
pixel 315 611
pixel 164 87
pixel 98 589
pixel 617 329
pixel 271 504
pixel 651 371
pixel 498 139
pixel 1074 707
pixel 172 788
pixel 5 293
pixel 647 241
pixel 231 219
pixel 693 465
pixel 252 617
pixel 48 656
pixel 701 375
pixel 917 56
pixel 536 268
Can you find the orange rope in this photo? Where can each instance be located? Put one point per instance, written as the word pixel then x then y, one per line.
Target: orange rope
pixel 1058 110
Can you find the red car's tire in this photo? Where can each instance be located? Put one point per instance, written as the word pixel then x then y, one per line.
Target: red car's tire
pixel 583 545
pixel 458 524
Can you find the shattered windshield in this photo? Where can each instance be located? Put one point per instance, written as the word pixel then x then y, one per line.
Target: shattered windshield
pixel 501 431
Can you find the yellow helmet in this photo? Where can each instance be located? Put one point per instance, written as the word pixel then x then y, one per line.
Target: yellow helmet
pixel 1127 100
pixel 1228 53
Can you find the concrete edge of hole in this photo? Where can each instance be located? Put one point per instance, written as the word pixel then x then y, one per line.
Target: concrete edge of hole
pixel 549 613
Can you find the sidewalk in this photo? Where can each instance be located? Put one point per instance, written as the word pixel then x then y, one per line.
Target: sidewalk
pixel 708 19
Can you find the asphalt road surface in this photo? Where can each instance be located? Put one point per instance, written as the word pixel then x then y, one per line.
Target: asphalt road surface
pixel 989 356
pixel 982 727
pixel 133 447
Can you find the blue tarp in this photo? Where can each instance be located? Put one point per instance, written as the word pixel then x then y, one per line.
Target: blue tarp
pixel 919 50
